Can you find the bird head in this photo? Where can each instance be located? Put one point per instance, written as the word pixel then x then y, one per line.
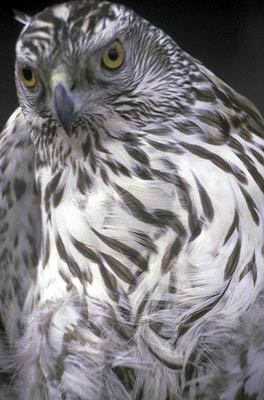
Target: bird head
pixel 96 63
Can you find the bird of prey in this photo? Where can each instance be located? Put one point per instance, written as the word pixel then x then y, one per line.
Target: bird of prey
pixel 132 202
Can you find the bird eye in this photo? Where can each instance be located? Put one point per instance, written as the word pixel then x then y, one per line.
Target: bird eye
pixel 27 76
pixel 114 56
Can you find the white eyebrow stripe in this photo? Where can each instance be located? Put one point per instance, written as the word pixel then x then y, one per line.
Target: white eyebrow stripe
pixel 37 35
pixel 38 23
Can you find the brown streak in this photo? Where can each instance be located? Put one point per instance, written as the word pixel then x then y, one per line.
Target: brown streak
pixel 233 261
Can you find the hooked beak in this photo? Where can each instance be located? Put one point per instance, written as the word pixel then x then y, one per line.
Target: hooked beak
pixel 64 107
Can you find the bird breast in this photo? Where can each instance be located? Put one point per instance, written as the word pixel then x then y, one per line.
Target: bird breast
pixel 111 228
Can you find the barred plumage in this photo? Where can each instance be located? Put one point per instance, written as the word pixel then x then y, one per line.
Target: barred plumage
pixel 149 283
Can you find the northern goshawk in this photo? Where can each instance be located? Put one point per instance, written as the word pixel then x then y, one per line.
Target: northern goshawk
pixel 131 206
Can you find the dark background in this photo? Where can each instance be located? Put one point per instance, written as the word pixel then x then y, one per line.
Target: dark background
pixel 228 36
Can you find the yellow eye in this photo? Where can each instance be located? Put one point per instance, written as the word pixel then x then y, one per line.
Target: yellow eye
pixel 27 76
pixel 114 56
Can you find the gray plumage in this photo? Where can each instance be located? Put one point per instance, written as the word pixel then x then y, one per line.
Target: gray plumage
pixel 148 173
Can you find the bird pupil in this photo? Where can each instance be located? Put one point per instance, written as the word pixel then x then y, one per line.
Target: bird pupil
pixel 113 54
pixel 27 73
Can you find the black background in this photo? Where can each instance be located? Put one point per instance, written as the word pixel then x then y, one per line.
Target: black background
pixel 227 36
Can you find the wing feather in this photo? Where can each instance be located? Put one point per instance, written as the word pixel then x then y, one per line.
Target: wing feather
pixel 20 233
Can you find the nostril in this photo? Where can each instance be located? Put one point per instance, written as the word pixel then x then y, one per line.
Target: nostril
pixel 73 86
